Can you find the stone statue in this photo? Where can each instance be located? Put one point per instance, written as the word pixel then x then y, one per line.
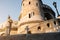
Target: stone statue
pixel 9 23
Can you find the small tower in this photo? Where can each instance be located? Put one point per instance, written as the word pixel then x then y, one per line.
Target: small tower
pixel 31 14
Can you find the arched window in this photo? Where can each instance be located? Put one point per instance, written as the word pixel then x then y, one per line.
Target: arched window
pixel 48 25
pixel 55 22
pixel 36 4
pixel 39 28
pixel 33 13
pixel 29 2
pixel 29 15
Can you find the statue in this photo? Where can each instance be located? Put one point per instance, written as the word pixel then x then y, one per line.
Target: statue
pixel 8 28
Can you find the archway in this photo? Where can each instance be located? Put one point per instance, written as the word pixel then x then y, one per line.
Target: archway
pixel 48 16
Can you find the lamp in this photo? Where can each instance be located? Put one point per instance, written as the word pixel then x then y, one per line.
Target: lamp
pixel 55 5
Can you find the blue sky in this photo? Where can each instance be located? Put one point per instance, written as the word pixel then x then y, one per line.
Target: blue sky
pixel 13 8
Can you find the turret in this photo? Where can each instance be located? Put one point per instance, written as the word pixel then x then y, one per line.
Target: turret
pixel 31 12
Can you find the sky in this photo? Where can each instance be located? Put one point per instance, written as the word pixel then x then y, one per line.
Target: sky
pixel 13 8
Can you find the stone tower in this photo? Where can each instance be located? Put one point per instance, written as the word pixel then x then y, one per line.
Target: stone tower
pixel 31 14
pixel 31 17
pixel 31 8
